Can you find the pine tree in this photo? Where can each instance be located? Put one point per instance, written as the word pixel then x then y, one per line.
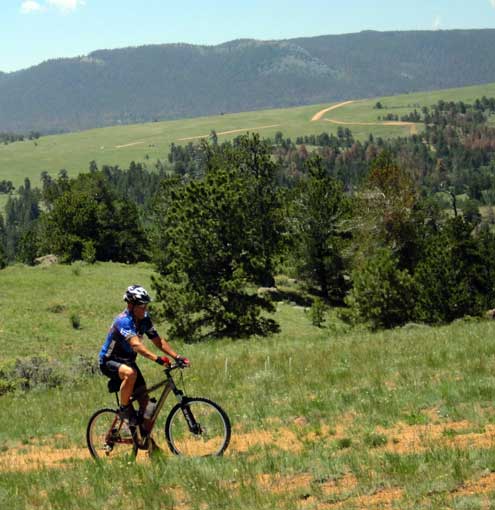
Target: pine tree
pixel 211 247
pixel 86 219
pixel 316 225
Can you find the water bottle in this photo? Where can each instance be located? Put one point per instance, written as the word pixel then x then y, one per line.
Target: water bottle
pixel 150 409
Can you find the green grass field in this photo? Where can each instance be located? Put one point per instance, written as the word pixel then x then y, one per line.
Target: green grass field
pixel 120 145
pixel 329 418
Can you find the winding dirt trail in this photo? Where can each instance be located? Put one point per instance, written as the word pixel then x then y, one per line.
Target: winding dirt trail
pixel 229 132
pixel 129 144
pixel 413 128
pixel 316 117
pixel 319 115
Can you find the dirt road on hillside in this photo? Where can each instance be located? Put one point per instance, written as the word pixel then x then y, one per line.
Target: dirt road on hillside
pixel 319 115
pixel 413 128
pixel 129 144
pixel 229 132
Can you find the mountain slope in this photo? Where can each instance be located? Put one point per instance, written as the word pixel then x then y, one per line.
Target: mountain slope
pixel 129 85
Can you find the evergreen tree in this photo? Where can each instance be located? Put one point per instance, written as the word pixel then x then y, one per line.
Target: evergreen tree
pixel 383 295
pixel 87 220
pixel 455 278
pixel 251 158
pixel 386 213
pixel 21 212
pixel 3 255
pixel 210 255
pixel 316 220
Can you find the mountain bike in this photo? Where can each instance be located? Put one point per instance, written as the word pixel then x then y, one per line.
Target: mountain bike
pixel 195 426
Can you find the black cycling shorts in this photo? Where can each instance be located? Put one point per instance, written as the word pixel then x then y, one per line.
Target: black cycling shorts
pixel 110 368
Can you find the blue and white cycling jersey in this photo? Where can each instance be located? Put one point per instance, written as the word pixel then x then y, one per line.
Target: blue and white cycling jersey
pixel 124 327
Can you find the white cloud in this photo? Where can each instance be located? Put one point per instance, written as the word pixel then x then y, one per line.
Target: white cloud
pixel 437 22
pixel 66 5
pixel 493 3
pixel 30 6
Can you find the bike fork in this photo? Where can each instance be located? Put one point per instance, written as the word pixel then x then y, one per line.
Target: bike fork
pixel 193 425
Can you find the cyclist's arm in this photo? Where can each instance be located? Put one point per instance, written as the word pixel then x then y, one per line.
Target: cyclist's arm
pixel 139 348
pixel 164 346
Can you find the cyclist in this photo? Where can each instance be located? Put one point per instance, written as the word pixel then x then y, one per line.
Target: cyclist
pixel 122 345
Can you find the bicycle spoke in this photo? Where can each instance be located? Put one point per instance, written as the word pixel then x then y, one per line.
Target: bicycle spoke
pixel 203 431
pixel 108 436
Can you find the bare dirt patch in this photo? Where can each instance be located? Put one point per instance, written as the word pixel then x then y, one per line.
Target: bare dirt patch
pixel 281 438
pixel 483 485
pixel 35 457
pixel 332 493
pixel 405 438
pixel 401 439
pixel 382 499
pixel 280 484
pixel 28 458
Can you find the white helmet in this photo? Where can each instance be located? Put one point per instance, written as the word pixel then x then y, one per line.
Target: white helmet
pixel 137 295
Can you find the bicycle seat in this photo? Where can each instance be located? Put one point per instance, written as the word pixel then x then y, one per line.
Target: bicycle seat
pixel 113 385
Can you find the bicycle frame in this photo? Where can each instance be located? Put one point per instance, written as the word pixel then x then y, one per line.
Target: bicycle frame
pixel 169 386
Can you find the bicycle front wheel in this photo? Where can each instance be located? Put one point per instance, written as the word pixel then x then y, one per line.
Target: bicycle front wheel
pixel 197 427
pixel 108 436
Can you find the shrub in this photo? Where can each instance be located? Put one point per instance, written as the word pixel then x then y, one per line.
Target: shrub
pixel 89 252
pixel 86 365
pixel 36 371
pixel 8 382
pixel 76 268
pixel 344 443
pixel 56 308
pixel 317 312
pixel 374 440
pixel 75 321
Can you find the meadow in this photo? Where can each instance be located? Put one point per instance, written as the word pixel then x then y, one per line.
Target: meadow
pixel 323 418
pixel 147 143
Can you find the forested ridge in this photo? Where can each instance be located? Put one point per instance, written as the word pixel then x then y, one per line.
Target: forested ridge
pixel 390 231
pixel 133 85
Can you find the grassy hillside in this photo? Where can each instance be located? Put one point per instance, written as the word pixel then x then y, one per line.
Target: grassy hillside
pixel 325 418
pixel 149 142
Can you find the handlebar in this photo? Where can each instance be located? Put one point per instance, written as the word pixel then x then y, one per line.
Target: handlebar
pixel 176 366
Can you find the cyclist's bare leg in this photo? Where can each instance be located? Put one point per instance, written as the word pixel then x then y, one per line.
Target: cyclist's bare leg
pixel 128 376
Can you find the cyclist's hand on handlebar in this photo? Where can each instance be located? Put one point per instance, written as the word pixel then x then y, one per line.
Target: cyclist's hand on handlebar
pixel 182 362
pixel 163 360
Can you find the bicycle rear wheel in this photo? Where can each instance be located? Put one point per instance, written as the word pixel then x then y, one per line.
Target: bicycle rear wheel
pixel 197 427
pixel 108 436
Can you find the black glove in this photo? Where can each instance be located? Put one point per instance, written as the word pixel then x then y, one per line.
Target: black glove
pixel 181 361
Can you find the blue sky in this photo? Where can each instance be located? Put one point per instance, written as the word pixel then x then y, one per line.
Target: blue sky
pixel 32 31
